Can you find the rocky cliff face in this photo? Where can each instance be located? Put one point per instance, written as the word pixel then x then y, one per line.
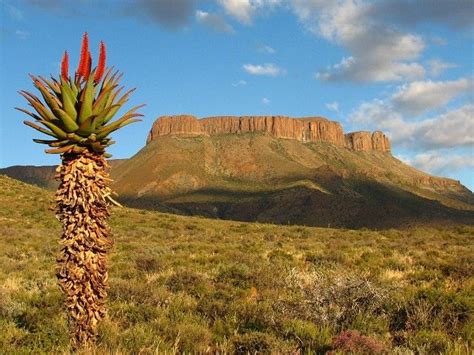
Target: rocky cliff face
pixel 306 129
pixel 182 124
pixel 367 141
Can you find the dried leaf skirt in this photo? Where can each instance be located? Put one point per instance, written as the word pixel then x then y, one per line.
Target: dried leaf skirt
pixel 82 208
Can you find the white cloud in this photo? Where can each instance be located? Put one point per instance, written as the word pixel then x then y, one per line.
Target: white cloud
pixel 452 129
pixel 437 67
pixel 239 83
pixel 245 10
pixel 381 115
pixel 421 96
pixel 21 34
pixel 172 14
pixel 306 9
pixel 266 101
pixel 439 162
pixel 374 33
pixel 242 10
pixel 454 13
pixel 267 69
pixel 333 106
pixel 213 21
pixel 266 49
pixel 378 52
pixel 15 13
pixel 439 41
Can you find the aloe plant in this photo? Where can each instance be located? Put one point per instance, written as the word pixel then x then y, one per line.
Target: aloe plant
pixel 77 113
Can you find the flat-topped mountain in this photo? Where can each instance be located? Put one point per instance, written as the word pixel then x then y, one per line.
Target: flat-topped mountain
pixel 305 129
pixel 280 170
pixel 283 170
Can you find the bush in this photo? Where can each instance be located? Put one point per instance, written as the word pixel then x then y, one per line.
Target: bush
pixel 148 263
pixel 279 256
pixel 217 303
pixel 10 336
pixel 431 309
pixel 309 336
pixel 236 275
pixel 138 338
pixel 334 298
pixel 429 342
pixel 189 282
pixel 353 342
pixel 328 258
pixel 255 342
pixel 192 337
pixel 254 316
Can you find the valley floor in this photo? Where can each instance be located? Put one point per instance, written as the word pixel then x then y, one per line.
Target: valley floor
pixel 199 285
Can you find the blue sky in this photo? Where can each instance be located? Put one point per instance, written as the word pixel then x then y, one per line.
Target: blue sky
pixel 402 66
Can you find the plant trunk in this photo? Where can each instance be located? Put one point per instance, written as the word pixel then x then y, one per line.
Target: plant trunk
pixel 86 238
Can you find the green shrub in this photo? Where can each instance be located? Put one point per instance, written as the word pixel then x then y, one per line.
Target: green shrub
pixel 142 339
pixel 188 281
pixel 130 290
pixel 309 337
pixel 279 256
pixel 333 257
pixel 236 275
pixel 10 336
pixel 192 337
pixel 222 330
pixel 252 316
pixel 255 342
pixel 428 342
pixel 148 263
pixel 432 309
pixel 217 304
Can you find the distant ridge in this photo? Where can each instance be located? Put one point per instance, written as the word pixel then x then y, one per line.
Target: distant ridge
pixel 42 176
pixel 304 129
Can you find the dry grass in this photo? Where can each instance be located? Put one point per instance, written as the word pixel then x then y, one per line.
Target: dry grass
pixel 198 285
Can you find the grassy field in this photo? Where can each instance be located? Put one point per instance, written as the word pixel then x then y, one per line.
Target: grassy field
pixel 188 284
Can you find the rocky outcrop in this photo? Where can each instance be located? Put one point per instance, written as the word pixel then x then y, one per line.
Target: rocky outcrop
pixel 367 141
pixel 182 124
pixel 306 129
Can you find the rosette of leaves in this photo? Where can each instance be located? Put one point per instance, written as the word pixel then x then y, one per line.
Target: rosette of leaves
pixel 77 112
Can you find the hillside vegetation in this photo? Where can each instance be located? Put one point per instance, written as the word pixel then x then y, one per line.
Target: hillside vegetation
pixel 42 176
pixel 255 177
pixel 201 285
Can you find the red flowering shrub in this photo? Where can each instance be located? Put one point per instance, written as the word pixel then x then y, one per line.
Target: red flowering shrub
pixel 352 341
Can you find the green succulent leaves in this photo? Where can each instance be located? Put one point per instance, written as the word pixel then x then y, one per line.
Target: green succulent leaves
pixel 77 112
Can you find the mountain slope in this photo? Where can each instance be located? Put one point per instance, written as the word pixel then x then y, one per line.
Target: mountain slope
pixel 42 176
pixel 254 176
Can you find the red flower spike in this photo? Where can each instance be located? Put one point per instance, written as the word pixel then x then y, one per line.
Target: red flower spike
pixel 81 69
pixel 87 70
pixel 65 66
pixel 101 65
